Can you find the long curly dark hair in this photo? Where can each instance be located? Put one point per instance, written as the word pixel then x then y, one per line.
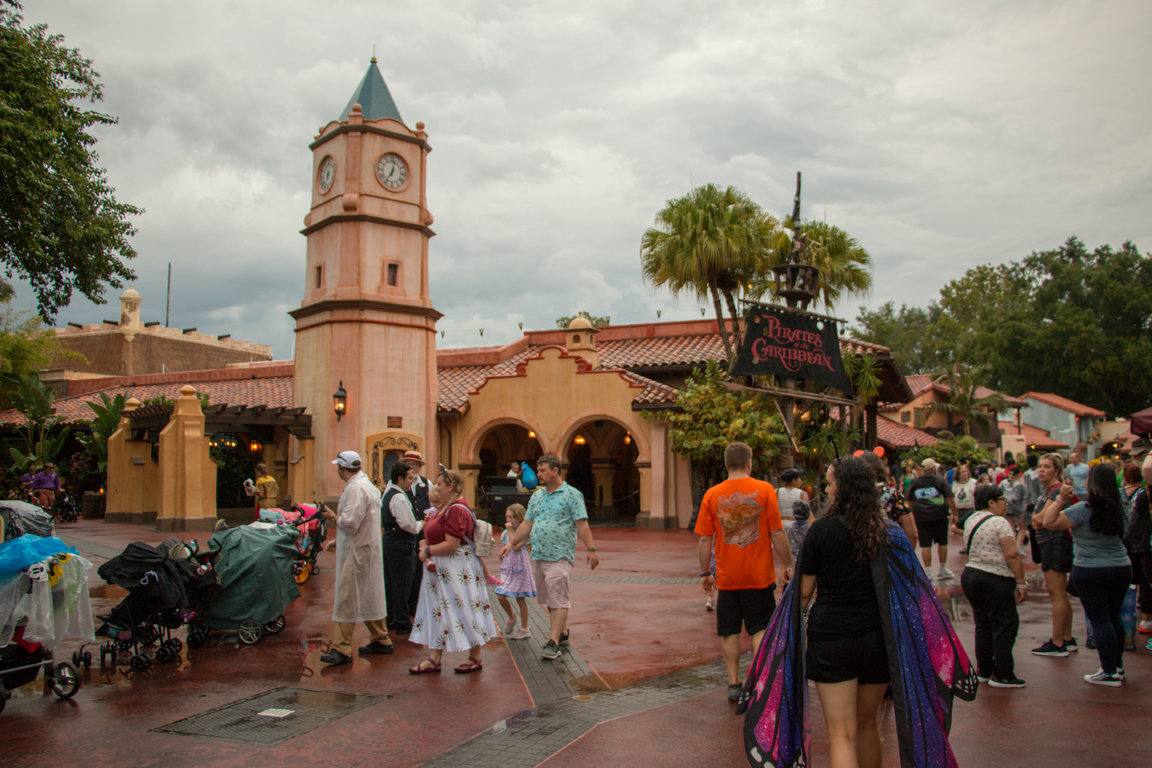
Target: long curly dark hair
pixel 857 501
pixel 1104 499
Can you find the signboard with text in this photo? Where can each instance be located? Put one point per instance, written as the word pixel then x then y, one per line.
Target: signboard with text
pixel 792 345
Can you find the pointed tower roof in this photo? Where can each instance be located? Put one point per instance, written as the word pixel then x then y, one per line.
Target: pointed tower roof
pixel 373 97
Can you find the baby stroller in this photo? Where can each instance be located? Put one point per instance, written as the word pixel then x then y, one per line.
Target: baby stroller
pixel 157 602
pixel 254 565
pixel 46 599
pixel 20 517
pixel 313 530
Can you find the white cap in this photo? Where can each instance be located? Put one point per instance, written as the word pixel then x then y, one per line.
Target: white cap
pixel 348 460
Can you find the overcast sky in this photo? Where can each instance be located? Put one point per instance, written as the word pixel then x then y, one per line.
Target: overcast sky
pixel 941 135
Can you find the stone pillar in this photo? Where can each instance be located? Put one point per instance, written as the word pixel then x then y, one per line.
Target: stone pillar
pixel 187 473
pixel 302 470
pixel 117 483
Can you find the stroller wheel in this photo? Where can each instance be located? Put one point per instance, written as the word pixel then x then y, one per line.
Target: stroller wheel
pixel 304 572
pixel 249 631
pixel 77 661
pixel 197 637
pixel 86 658
pixel 140 663
pixel 175 644
pixel 65 680
pixel 276 626
pixel 164 654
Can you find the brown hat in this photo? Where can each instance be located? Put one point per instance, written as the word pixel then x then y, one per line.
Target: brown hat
pixel 413 457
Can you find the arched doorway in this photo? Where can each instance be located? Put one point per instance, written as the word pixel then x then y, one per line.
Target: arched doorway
pixel 601 460
pixel 502 445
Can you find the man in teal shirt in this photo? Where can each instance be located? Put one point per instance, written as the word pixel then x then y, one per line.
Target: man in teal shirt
pixel 556 517
pixel 1076 473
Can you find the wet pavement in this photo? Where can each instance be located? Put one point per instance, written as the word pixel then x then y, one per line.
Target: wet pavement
pixel 641 684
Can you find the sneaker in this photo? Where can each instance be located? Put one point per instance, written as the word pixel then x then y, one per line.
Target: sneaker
pixel 521 633
pixel 550 651
pixel 564 639
pixel 1072 646
pixel 1090 644
pixel 708 606
pixel 734 691
pixel 335 657
pixel 510 626
pixel 1100 677
pixel 743 702
pixel 377 648
pixel 1120 672
pixel 983 677
pixel 1050 649
pixel 1006 682
pixel 1145 627
pixel 944 573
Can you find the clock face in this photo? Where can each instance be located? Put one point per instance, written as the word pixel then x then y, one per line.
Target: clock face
pixel 392 171
pixel 327 174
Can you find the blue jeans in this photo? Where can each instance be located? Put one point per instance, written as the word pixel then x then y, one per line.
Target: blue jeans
pixel 1102 593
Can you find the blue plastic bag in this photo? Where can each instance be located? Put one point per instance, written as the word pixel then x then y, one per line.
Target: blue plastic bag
pixel 528 477
pixel 18 554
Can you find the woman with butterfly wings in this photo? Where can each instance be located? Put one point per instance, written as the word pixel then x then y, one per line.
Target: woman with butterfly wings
pixel 876 621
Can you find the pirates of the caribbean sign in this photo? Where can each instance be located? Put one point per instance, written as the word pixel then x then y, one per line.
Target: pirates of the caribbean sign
pixel 792 345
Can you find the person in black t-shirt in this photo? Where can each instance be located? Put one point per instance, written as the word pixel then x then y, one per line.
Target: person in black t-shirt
pixel 933 509
pixel 846 657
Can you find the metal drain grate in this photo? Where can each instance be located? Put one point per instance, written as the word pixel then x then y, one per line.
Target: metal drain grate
pixel 272 717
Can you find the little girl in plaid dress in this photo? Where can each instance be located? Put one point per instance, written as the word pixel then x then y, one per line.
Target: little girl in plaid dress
pixel 515 577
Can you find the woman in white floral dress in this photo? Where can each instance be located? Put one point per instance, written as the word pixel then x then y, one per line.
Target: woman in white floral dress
pixel 454 612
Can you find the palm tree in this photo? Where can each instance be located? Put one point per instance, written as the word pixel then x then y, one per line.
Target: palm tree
pixel 711 242
pixel 963 382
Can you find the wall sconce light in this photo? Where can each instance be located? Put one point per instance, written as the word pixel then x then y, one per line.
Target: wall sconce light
pixel 579 440
pixel 531 434
pixel 255 446
pixel 340 401
pixel 627 438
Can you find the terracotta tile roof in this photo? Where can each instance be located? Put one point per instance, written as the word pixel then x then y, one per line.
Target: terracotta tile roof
pixel 892 434
pixel 233 386
pixel 919 383
pixel 660 352
pixel 1064 404
pixel 1040 437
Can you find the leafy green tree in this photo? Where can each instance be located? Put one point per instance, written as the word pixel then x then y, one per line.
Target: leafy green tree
pixel 61 228
pixel 598 321
pixel 43 438
pixel 950 448
pixel 105 421
pixel 712 242
pixel 965 402
pixel 912 333
pixel 709 417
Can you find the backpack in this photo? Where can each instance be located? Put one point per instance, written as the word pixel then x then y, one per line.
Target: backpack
pixel 482 540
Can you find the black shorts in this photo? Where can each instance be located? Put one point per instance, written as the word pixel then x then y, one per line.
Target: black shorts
pixel 837 658
pixel 932 532
pixel 1056 554
pixel 751 607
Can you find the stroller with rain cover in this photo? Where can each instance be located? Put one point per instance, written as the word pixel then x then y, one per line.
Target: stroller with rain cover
pixel 157 602
pixel 313 530
pixel 43 598
pixel 20 517
pixel 254 564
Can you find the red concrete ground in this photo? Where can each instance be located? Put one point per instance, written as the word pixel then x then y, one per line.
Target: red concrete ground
pixel 628 632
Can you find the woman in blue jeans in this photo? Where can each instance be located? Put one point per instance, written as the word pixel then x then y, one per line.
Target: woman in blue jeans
pixel 1101 570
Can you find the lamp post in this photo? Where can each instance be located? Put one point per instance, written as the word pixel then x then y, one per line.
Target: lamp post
pixel 340 401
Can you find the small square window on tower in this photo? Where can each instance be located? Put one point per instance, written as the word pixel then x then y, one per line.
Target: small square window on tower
pixel 393 273
pixel 319 276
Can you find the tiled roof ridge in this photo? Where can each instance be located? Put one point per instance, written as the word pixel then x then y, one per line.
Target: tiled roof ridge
pixel 262 370
pixel 465 356
pixel 1064 403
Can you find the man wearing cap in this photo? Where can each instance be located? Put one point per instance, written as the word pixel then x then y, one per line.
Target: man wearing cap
pixel 418 494
pixel 932 508
pixel 359 564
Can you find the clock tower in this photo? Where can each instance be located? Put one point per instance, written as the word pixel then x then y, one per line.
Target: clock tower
pixel 366 325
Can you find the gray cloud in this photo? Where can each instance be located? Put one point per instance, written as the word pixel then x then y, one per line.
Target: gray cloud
pixel 940 135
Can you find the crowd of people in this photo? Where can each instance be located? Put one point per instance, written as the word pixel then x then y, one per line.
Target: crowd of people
pixel 862 596
pixel 408 563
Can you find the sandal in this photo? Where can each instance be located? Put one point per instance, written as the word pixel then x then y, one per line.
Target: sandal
pixel 426 667
pixel 472 665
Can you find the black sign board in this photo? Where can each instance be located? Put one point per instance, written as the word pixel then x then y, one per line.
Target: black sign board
pixel 792 345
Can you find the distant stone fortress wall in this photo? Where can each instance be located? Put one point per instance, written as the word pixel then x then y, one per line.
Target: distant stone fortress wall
pixel 150 349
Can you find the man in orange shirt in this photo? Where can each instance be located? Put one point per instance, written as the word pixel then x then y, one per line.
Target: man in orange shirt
pixel 740 520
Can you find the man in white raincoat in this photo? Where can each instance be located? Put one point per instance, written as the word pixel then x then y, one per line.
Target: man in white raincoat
pixel 359 565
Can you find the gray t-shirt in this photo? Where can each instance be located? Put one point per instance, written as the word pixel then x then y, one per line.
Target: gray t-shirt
pixel 1077 474
pixel 1091 549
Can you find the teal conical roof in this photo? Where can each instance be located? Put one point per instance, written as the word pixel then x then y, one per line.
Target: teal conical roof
pixel 373 97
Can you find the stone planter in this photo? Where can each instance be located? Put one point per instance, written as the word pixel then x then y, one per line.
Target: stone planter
pixel 92 505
